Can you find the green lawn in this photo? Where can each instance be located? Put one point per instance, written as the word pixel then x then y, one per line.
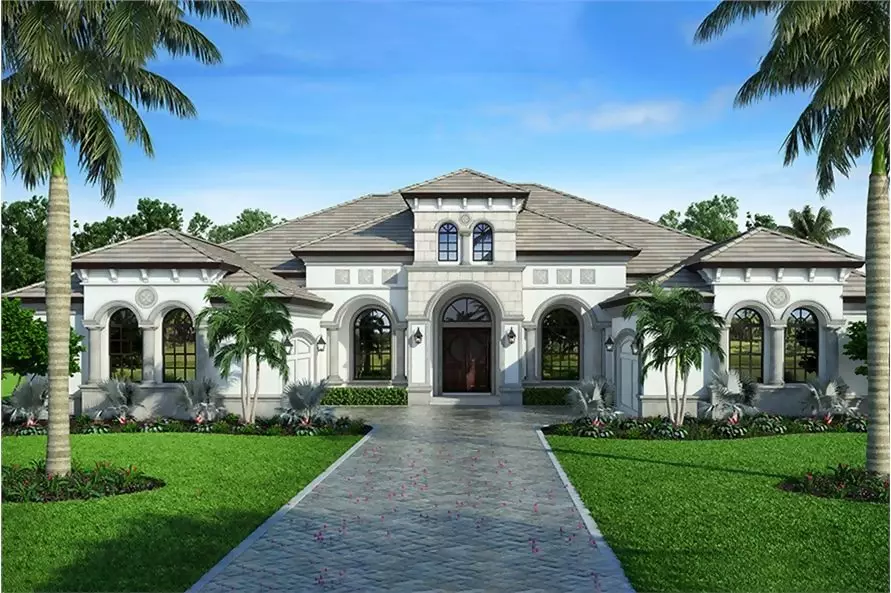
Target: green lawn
pixel 219 489
pixel 706 515
pixel 9 383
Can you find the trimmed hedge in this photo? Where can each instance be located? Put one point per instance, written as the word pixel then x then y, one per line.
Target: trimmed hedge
pixel 545 396
pixel 366 396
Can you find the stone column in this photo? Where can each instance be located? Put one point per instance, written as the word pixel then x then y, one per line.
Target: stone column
pixel 94 347
pixel 531 354
pixel 466 248
pixel 777 354
pixel 333 356
pixel 830 347
pixel 148 354
pixel 717 365
pixel 400 355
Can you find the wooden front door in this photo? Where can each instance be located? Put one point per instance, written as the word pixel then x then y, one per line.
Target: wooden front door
pixel 465 359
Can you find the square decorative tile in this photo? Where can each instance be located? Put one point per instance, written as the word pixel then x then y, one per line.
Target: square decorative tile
pixel 564 276
pixel 539 276
pixel 587 276
pixel 341 276
pixel 366 276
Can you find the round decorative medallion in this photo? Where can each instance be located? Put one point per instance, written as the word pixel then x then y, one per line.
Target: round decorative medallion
pixel 146 297
pixel 465 218
pixel 778 296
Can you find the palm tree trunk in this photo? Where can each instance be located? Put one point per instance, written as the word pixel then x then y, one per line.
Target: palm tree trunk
pixel 668 411
pixel 678 411
pixel 684 397
pixel 878 311
pixel 256 388
pixel 58 319
pixel 245 388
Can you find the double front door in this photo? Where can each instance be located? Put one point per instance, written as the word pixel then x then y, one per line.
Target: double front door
pixel 465 359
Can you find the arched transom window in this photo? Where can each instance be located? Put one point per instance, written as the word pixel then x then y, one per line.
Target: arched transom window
pixel 466 310
pixel 371 346
pixel 178 343
pixel 124 346
pixel 802 347
pixel 746 355
pixel 560 346
pixel 482 242
pixel 448 242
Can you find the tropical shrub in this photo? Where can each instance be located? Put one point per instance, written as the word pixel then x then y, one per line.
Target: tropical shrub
pixel 121 397
pixel 767 424
pixel 732 394
pixel 851 483
pixel 365 396
pixel 202 399
pixel 730 428
pixel 303 399
pixel 29 400
pixel 665 428
pixel 545 396
pixel 25 342
pixel 594 399
pixel 832 398
pixel 856 346
pixel 31 484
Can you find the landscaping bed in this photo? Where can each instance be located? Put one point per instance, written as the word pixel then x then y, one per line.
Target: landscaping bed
pixel 709 515
pixel 219 488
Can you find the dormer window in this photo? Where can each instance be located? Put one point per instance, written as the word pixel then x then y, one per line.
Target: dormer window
pixel 448 242
pixel 482 242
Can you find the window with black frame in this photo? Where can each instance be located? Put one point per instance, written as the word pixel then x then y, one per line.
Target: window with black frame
pixel 802 354
pixel 124 346
pixel 448 242
pixel 482 242
pixel 178 343
pixel 371 346
pixel 560 346
pixel 746 355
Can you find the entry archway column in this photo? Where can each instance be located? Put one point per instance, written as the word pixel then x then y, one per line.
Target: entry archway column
pixel 529 356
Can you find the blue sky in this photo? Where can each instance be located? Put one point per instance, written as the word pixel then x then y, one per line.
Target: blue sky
pixel 320 102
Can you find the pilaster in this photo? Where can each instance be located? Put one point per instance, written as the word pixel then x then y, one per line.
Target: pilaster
pixel 777 353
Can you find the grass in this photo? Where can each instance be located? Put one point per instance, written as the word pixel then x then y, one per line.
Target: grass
pixel 707 516
pixel 9 383
pixel 219 489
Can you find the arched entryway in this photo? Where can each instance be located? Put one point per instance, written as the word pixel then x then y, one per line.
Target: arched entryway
pixel 466 349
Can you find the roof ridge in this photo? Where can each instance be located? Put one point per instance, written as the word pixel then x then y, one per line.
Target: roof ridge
pixel 183 238
pixel 832 248
pixel 352 228
pixel 309 215
pixel 461 170
pixel 123 242
pixel 575 226
pixel 616 211
pixel 726 244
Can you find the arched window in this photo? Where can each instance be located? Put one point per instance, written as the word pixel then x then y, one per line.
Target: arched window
pixel 178 343
pixel 746 355
pixel 124 346
pixel 466 310
pixel 448 242
pixel 802 347
pixel 560 346
pixel 371 346
pixel 482 242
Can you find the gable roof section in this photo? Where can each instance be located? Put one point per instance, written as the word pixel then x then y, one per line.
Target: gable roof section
pixel 464 181
pixel 855 286
pixel 764 246
pixel 37 291
pixel 660 246
pixel 537 232
pixel 165 246
pixel 391 232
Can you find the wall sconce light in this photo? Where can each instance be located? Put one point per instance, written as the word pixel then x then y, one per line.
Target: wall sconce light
pixel 635 348
pixel 289 347
pixel 609 344
pixel 417 336
pixel 511 336
pixel 320 344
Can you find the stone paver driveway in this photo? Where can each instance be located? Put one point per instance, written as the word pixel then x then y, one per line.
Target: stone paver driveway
pixel 438 499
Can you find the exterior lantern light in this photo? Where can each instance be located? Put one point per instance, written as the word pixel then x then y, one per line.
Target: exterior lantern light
pixel 511 336
pixel 418 336
pixel 635 348
pixel 289 347
pixel 609 344
pixel 320 344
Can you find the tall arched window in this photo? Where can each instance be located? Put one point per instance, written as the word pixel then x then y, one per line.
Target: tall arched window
pixel 746 355
pixel 124 346
pixel 178 343
pixel 448 242
pixel 561 335
pixel 482 242
pixel 371 346
pixel 802 347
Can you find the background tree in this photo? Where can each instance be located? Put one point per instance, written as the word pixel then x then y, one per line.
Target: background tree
pixel 713 219
pixel 248 326
pixel 856 347
pixel 25 342
pixel 249 221
pixel 151 215
pixel 764 221
pixel 24 242
pixel 816 228
pixel 199 225
pixel 675 329
pixel 73 73
pixel 837 51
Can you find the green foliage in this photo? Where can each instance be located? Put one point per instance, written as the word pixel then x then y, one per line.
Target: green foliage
pixel 713 219
pixel 666 508
pixel 546 396
pixel 31 484
pixel 151 215
pixel 366 396
pixel 201 398
pixel 842 481
pixel 304 404
pixel 765 221
pixel 24 242
pixel 816 228
pixel 249 221
pixel 856 346
pixel 25 342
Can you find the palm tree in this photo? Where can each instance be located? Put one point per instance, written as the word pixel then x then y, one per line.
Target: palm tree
pixel 837 50
pixel 675 329
pixel 249 326
pixel 815 228
pixel 71 72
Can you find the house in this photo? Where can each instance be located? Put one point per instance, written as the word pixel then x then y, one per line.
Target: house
pixel 467 288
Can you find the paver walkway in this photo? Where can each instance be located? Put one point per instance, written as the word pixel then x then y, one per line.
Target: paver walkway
pixel 439 499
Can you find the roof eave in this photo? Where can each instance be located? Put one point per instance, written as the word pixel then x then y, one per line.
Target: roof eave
pixel 154 265
pixel 768 264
